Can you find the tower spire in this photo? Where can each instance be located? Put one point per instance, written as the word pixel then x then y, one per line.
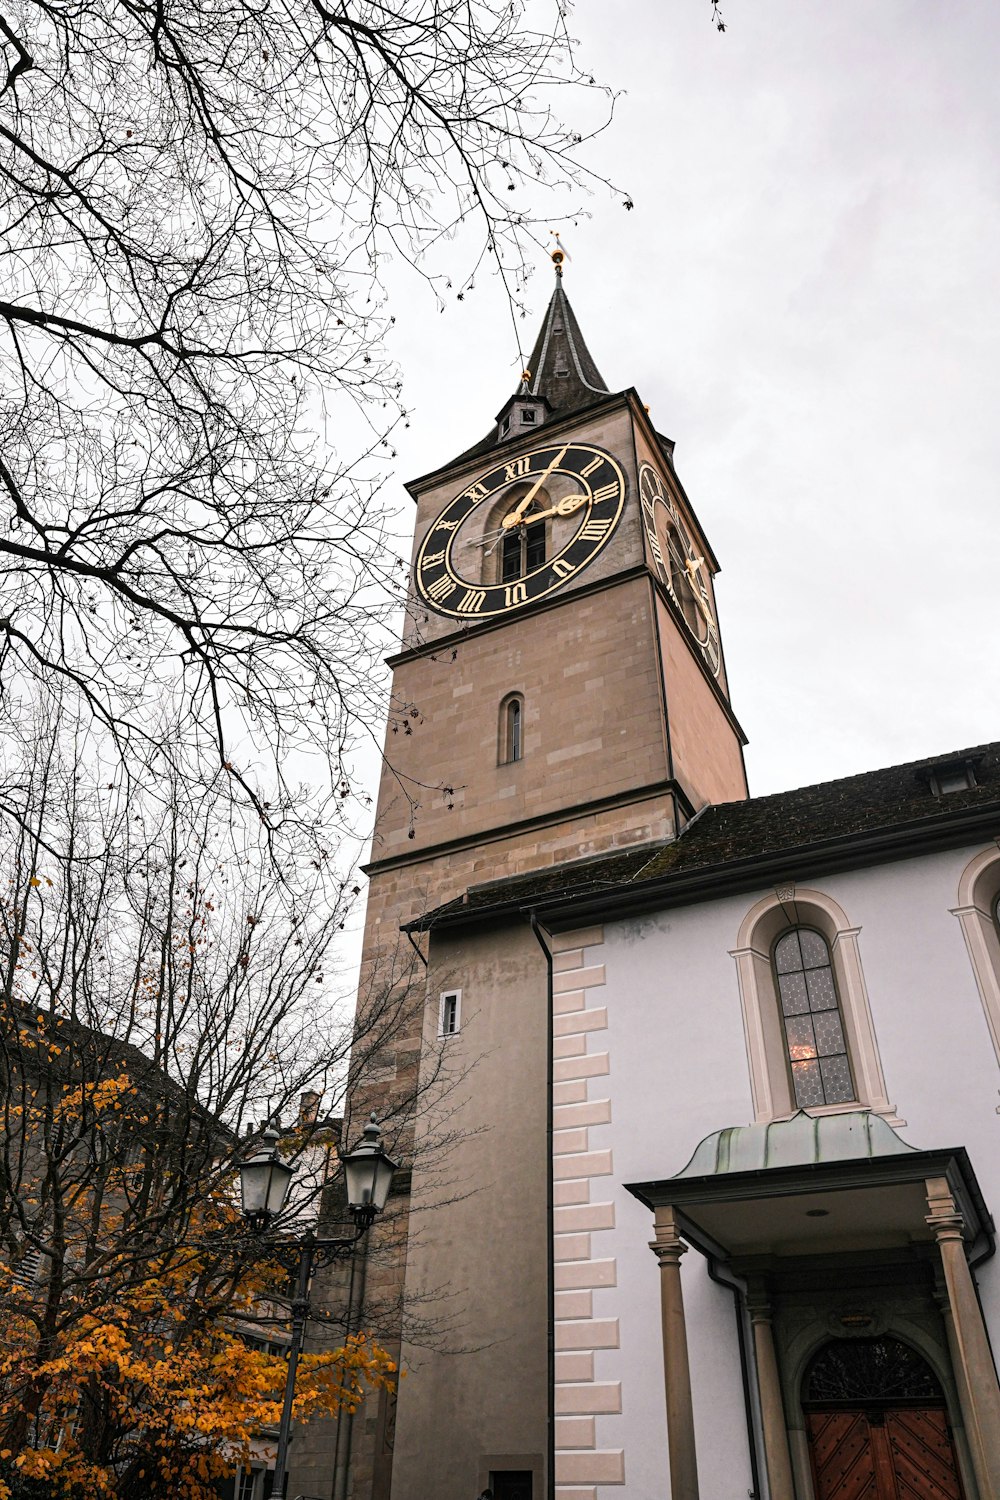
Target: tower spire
pixel 561 369
pixel 560 375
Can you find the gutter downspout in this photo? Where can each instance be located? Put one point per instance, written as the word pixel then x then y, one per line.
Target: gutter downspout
pixel 738 1290
pixel 550 1476
pixel 975 1261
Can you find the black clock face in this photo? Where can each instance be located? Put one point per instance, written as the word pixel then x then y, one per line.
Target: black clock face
pixel 522 531
pixel 678 563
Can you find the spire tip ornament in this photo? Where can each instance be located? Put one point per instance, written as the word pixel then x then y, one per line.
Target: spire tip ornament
pixel 559 255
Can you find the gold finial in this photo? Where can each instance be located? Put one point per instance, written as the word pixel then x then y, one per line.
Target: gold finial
pixel 525 375
pixel 559 254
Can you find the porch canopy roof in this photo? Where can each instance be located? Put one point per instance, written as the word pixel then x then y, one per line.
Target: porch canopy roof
pixel 814 1184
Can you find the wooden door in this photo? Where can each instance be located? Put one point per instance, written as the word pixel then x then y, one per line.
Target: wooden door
pixel 904 1453
pixel 843 1460
pixel 922 1455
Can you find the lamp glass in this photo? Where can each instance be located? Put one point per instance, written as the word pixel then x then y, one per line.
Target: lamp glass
pixel 264 1181
pixel 368 1173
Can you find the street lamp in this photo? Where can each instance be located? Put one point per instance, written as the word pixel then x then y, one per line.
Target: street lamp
pixel 264 1182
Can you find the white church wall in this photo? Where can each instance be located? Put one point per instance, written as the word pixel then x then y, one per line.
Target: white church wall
pixel 667 1037
pixel 677 1070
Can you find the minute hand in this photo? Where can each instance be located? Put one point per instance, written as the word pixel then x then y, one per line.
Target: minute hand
pixel 514 518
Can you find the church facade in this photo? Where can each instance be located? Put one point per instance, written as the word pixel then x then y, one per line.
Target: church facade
pixel 760 1036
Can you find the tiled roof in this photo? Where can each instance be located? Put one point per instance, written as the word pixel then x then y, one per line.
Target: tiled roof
pixel 86 1053
pixel 877 809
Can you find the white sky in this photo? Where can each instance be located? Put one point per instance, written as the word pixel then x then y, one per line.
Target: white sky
pixel 806 294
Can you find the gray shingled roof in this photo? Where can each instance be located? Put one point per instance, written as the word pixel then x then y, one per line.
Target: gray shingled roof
pixel 562 368
pixel 886 810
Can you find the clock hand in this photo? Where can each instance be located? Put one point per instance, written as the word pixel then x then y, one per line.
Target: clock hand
pixel 515 515
pixel 564 507
pixel 693 567
pixel 489 536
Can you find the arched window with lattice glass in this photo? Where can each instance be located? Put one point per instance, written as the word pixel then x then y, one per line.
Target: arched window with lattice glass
pixel 812 1020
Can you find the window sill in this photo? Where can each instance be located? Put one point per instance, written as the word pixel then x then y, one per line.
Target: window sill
pixel 887 1112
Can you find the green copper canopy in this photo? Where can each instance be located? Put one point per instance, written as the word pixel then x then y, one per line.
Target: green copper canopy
pixel 802 1141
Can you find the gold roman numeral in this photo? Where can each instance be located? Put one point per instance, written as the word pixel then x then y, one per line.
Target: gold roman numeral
pixel 446 525
pixel 592 531
pixel 430 558
pixel 607 491
pixel 440 590
pixel 475 492
pixel 515 593
pixel 595 463
pixel 654 547
pixel 471 601
pixel 561 568
pixel 518 468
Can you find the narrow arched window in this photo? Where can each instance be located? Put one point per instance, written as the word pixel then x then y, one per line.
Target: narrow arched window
pixel 812 1021
pixel 511 729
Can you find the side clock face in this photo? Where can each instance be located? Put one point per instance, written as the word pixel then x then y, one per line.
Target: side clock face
pixel 522 531
pixel 678 563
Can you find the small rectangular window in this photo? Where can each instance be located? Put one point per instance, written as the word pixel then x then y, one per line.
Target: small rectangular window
pixel 450 1013
pixel 954 781
pixel 528 416
pixel 248 1485
pixel 950 776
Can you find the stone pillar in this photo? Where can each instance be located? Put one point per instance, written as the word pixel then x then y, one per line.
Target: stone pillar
pixel 668 1249
pixel 958 1432
pixel 975 1373
pixel 772 1407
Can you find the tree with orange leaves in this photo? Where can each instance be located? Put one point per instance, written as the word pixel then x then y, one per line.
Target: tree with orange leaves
pixel 158 1000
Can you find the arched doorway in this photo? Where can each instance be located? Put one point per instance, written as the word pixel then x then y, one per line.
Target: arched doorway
pixel 877 1424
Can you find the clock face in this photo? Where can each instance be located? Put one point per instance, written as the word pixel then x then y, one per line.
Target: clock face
pixel 678 563
pixel 522 531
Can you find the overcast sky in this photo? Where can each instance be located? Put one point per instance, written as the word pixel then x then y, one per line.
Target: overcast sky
pixel 806 295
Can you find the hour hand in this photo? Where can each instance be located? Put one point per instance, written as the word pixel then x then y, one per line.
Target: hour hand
pixel 564 507
pixel 567 505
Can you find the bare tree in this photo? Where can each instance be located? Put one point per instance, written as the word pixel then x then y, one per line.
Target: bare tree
pixel 163 991
pixel 198 200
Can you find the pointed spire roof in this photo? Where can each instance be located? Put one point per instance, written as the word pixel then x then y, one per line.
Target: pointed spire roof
pixel 561 369
pixel 560 374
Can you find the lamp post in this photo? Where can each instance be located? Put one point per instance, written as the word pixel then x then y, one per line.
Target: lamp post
pixel 264 1183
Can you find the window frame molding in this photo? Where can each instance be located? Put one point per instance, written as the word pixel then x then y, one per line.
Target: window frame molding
pixel 770 1076
pixel 504 738
pixel 444 996
pixel 978 890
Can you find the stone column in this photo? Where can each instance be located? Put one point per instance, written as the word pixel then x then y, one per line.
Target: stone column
pixel 668 1249
pixel 772 1407
pixel 975 1374
pixel 959 1435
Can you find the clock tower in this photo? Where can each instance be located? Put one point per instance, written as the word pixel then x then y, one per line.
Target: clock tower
pixel 558 567
pixel 560 693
